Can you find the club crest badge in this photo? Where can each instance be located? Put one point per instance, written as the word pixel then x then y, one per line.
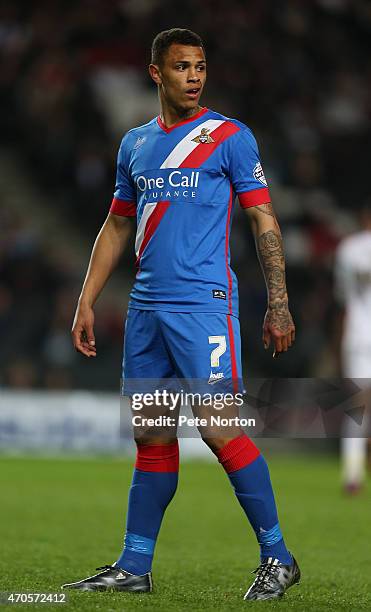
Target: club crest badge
pixel 204 137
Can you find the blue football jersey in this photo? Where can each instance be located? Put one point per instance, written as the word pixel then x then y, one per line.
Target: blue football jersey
pixel 181 183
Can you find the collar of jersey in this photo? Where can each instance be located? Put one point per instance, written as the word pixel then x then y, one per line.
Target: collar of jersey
pixel 176 125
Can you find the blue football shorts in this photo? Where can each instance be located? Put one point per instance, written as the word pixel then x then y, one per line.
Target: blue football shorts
pixel 201 349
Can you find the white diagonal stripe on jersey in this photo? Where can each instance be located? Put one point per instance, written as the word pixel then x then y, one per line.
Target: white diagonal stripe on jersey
pixel 173 160
pixel 186 145
pixel 148 209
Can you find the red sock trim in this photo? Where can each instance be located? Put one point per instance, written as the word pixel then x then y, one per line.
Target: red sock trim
pixel 237 454
pixel 158 458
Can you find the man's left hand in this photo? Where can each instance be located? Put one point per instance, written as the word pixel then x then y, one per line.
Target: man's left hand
pixel 278 327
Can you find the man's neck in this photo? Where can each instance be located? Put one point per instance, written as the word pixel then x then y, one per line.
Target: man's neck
pixel 171 116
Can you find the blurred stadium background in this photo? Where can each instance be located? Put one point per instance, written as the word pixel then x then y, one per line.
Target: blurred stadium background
pixel 73 79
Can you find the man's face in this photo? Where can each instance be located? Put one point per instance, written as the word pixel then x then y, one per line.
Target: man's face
pixel 181 76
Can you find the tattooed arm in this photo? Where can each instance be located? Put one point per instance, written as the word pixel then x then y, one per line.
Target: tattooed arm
pixel 278 324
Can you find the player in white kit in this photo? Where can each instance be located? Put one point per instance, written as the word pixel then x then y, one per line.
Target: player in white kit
pixel 353 290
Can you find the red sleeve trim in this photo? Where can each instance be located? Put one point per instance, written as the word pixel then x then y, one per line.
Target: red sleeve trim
pixel 254 197
pixel 123 208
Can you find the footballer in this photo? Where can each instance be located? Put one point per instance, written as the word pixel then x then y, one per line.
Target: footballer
pixel 352 273
pixel 179 176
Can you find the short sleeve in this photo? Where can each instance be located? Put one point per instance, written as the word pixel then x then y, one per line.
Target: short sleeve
pixel 124 198
pixel 246 172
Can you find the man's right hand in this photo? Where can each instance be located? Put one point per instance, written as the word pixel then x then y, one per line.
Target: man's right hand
pixel 83 331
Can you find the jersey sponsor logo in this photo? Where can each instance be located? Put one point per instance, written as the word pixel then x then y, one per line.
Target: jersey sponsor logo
pixel 215 377
pixel 259 174
pixel 140 141
pixel 219 294
pixel 203 137
pixel 176 178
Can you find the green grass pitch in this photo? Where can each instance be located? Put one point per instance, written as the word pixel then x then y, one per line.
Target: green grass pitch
pixel 62 518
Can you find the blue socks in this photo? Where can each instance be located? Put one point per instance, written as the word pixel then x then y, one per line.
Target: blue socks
pixel 249 475
pixel 154 484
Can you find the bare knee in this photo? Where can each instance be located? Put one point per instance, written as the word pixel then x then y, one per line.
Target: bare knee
pixel 216 444
pixel 154 441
